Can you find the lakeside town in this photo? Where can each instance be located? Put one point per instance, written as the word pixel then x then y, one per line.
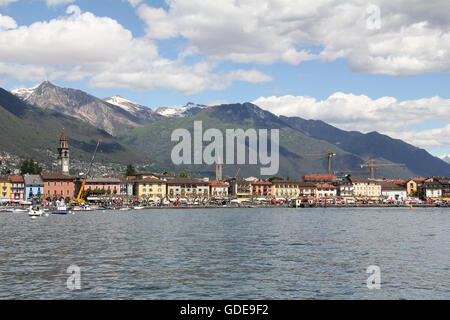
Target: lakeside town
pixel 148 189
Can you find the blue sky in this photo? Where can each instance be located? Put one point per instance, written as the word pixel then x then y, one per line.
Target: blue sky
pixel 185 51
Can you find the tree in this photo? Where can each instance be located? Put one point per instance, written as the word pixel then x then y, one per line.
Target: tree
pixel 131 171
pixel 30 167
pixel 184 174
pixel 275 178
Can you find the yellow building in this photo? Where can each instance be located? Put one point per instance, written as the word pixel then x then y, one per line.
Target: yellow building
pixel 150 189
pixel 413 186
pixel 5 188
pixel 366 188
pixel 287 189
pixel 187 188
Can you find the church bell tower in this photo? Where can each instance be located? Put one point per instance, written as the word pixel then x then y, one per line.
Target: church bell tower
pixel 63 157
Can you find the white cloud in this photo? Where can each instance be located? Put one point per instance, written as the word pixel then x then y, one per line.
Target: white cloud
pixel 52 3
pixel 6 2
pixel 361 113
pixel 83 46
pixel 414 36
pixel 134 3
pixel 7 23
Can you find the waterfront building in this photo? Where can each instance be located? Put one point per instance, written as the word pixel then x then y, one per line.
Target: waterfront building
pixel 5 189
pixel 261 189
pixel 218 189
pixel 431 190
pixel 445 186
pixel 58 186
pixel 413 186
pixel 325 191
pixel 150 189
pixel 126 186
pixel 187 188
pixel 63 154
pixel 150 175
pixel 111 185
pixel 34 187
pixel 17 188
pixel 393 192
pixel 345 188
pixel 240 189
pixel 307 190
pixel 366 189
pixel 287 189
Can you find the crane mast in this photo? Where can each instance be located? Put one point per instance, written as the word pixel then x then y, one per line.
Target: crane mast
pixel 79 198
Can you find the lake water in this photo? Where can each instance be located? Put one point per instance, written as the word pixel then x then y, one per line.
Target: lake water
pixel 228 254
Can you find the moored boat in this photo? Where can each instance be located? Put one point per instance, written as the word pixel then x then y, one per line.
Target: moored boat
pixel 35 212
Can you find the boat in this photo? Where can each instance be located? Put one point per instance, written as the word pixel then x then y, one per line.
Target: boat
pixel 125 209
pixel 138 208
pixel 61 210
pixel 19 210
pixel 35 212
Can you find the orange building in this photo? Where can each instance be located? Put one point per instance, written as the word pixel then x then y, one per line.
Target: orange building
pixel 58 185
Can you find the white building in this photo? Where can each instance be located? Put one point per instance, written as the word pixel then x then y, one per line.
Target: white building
pixel 326 191
pixel 391 191
pixel 432 190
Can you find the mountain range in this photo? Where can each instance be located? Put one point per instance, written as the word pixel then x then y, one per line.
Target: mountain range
pixel 30 131
pixel 148 131
pixel 111 115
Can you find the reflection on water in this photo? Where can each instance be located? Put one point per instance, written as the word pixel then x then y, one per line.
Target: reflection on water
pixel 227 254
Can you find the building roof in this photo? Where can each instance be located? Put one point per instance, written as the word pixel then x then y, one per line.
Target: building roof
pixel 417 179
pixel 285 182
pixel 323 177
pixel 262 183
pixel 33 179
pixel 149 181
pixel 325 186
pixel 361 180
pixel 55 176
pixel 3 178
pixel 307 185
pixel 390 186
pixel 215 183
pixel 16 179
pixel 186 181
pixel 102 180
pixel 63 137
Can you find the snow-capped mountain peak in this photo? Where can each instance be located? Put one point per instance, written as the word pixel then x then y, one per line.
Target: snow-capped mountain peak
pixel 123 103
pixel 175 112
pixel 445 157
pixel 24 93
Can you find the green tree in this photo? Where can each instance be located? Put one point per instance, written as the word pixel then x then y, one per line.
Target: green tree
pixel 184 174
pixel 131 171
pixel 275 178
pixel 30 167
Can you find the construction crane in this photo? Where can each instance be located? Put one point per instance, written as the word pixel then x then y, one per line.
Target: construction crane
pixel 329 154
pixel 79 199
pixel 372 165
pixel 237 173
